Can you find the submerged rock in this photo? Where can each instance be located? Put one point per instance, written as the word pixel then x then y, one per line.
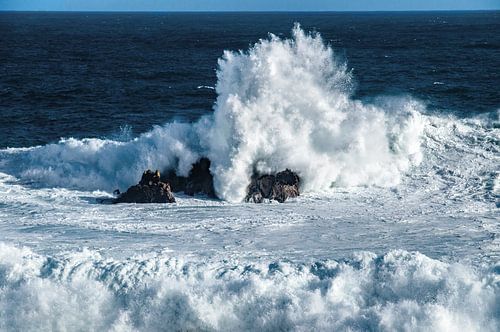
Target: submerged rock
pixel 278 187
pixel 149 190
pixel 199 180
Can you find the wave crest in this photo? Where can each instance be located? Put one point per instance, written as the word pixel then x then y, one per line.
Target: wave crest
pixel 285 103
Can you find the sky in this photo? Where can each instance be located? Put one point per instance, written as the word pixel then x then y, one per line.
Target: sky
pixel 246 5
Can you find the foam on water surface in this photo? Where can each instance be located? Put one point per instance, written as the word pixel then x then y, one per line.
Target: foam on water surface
pixel 397 227
pixel 283 104
pixel 399 290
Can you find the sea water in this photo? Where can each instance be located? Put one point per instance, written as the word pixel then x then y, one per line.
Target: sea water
pixel 390 119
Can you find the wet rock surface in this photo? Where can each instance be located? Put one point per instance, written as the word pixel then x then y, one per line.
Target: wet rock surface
pixel 279 187
pixel 154 188
pixel 149 190
pixel 199 180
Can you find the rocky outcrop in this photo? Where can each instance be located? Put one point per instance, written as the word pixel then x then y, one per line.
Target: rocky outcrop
pixel 149 190
pixel 199 180
pixel 153 188
pixel 277 187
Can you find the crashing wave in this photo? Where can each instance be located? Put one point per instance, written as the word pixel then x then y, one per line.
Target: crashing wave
pixel 285 103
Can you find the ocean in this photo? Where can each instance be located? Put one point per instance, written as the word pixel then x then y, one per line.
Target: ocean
pixel 391 119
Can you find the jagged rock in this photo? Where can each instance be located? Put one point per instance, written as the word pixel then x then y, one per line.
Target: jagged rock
pixel 153 188
pixel 265 184
pixel 149 190
pixel 279 187
pixel 254 197
pixel 283 191
pixel 288 177
pixel 149 178
pixel 199 180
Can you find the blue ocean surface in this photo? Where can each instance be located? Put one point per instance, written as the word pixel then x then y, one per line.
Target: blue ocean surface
pixel 391 120
pixel 88 74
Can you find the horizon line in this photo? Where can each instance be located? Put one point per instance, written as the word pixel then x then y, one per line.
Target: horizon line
pixel 246 11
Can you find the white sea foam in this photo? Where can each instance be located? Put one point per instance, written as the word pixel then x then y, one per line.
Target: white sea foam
pixel 206 87
pixel 104 164
pixel 285 103
pixel 212 265
pixel 399 290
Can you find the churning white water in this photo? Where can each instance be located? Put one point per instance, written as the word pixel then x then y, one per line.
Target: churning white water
pixel 282 104
pixel 285 104
pixel 397 228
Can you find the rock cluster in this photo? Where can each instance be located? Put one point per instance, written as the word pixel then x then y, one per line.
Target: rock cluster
pixel 149 190
pixel 277 187
pixel 199 180
pixel 156 189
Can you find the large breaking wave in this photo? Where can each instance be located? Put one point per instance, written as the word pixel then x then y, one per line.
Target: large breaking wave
pixel 396 291
pixel 284 103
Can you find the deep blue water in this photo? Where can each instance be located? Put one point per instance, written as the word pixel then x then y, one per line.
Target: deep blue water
pixel 88 74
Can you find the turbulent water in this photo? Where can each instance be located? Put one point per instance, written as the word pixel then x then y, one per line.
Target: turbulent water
pixel 397 226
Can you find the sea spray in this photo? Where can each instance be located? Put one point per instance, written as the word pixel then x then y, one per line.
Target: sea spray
pixel 103 164
pixel 284 103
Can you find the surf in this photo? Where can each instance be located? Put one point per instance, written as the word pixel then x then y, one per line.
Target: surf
pixel 284 103
pixel 84 290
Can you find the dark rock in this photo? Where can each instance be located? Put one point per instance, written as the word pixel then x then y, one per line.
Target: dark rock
pixel 288 177
pixel 149 190
pixel 266 183
pixel 254 194
pixel 199 180
pixel 149 178
pixel 153 188
pixel 283 191
pixel 279 187
pixel 254 197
